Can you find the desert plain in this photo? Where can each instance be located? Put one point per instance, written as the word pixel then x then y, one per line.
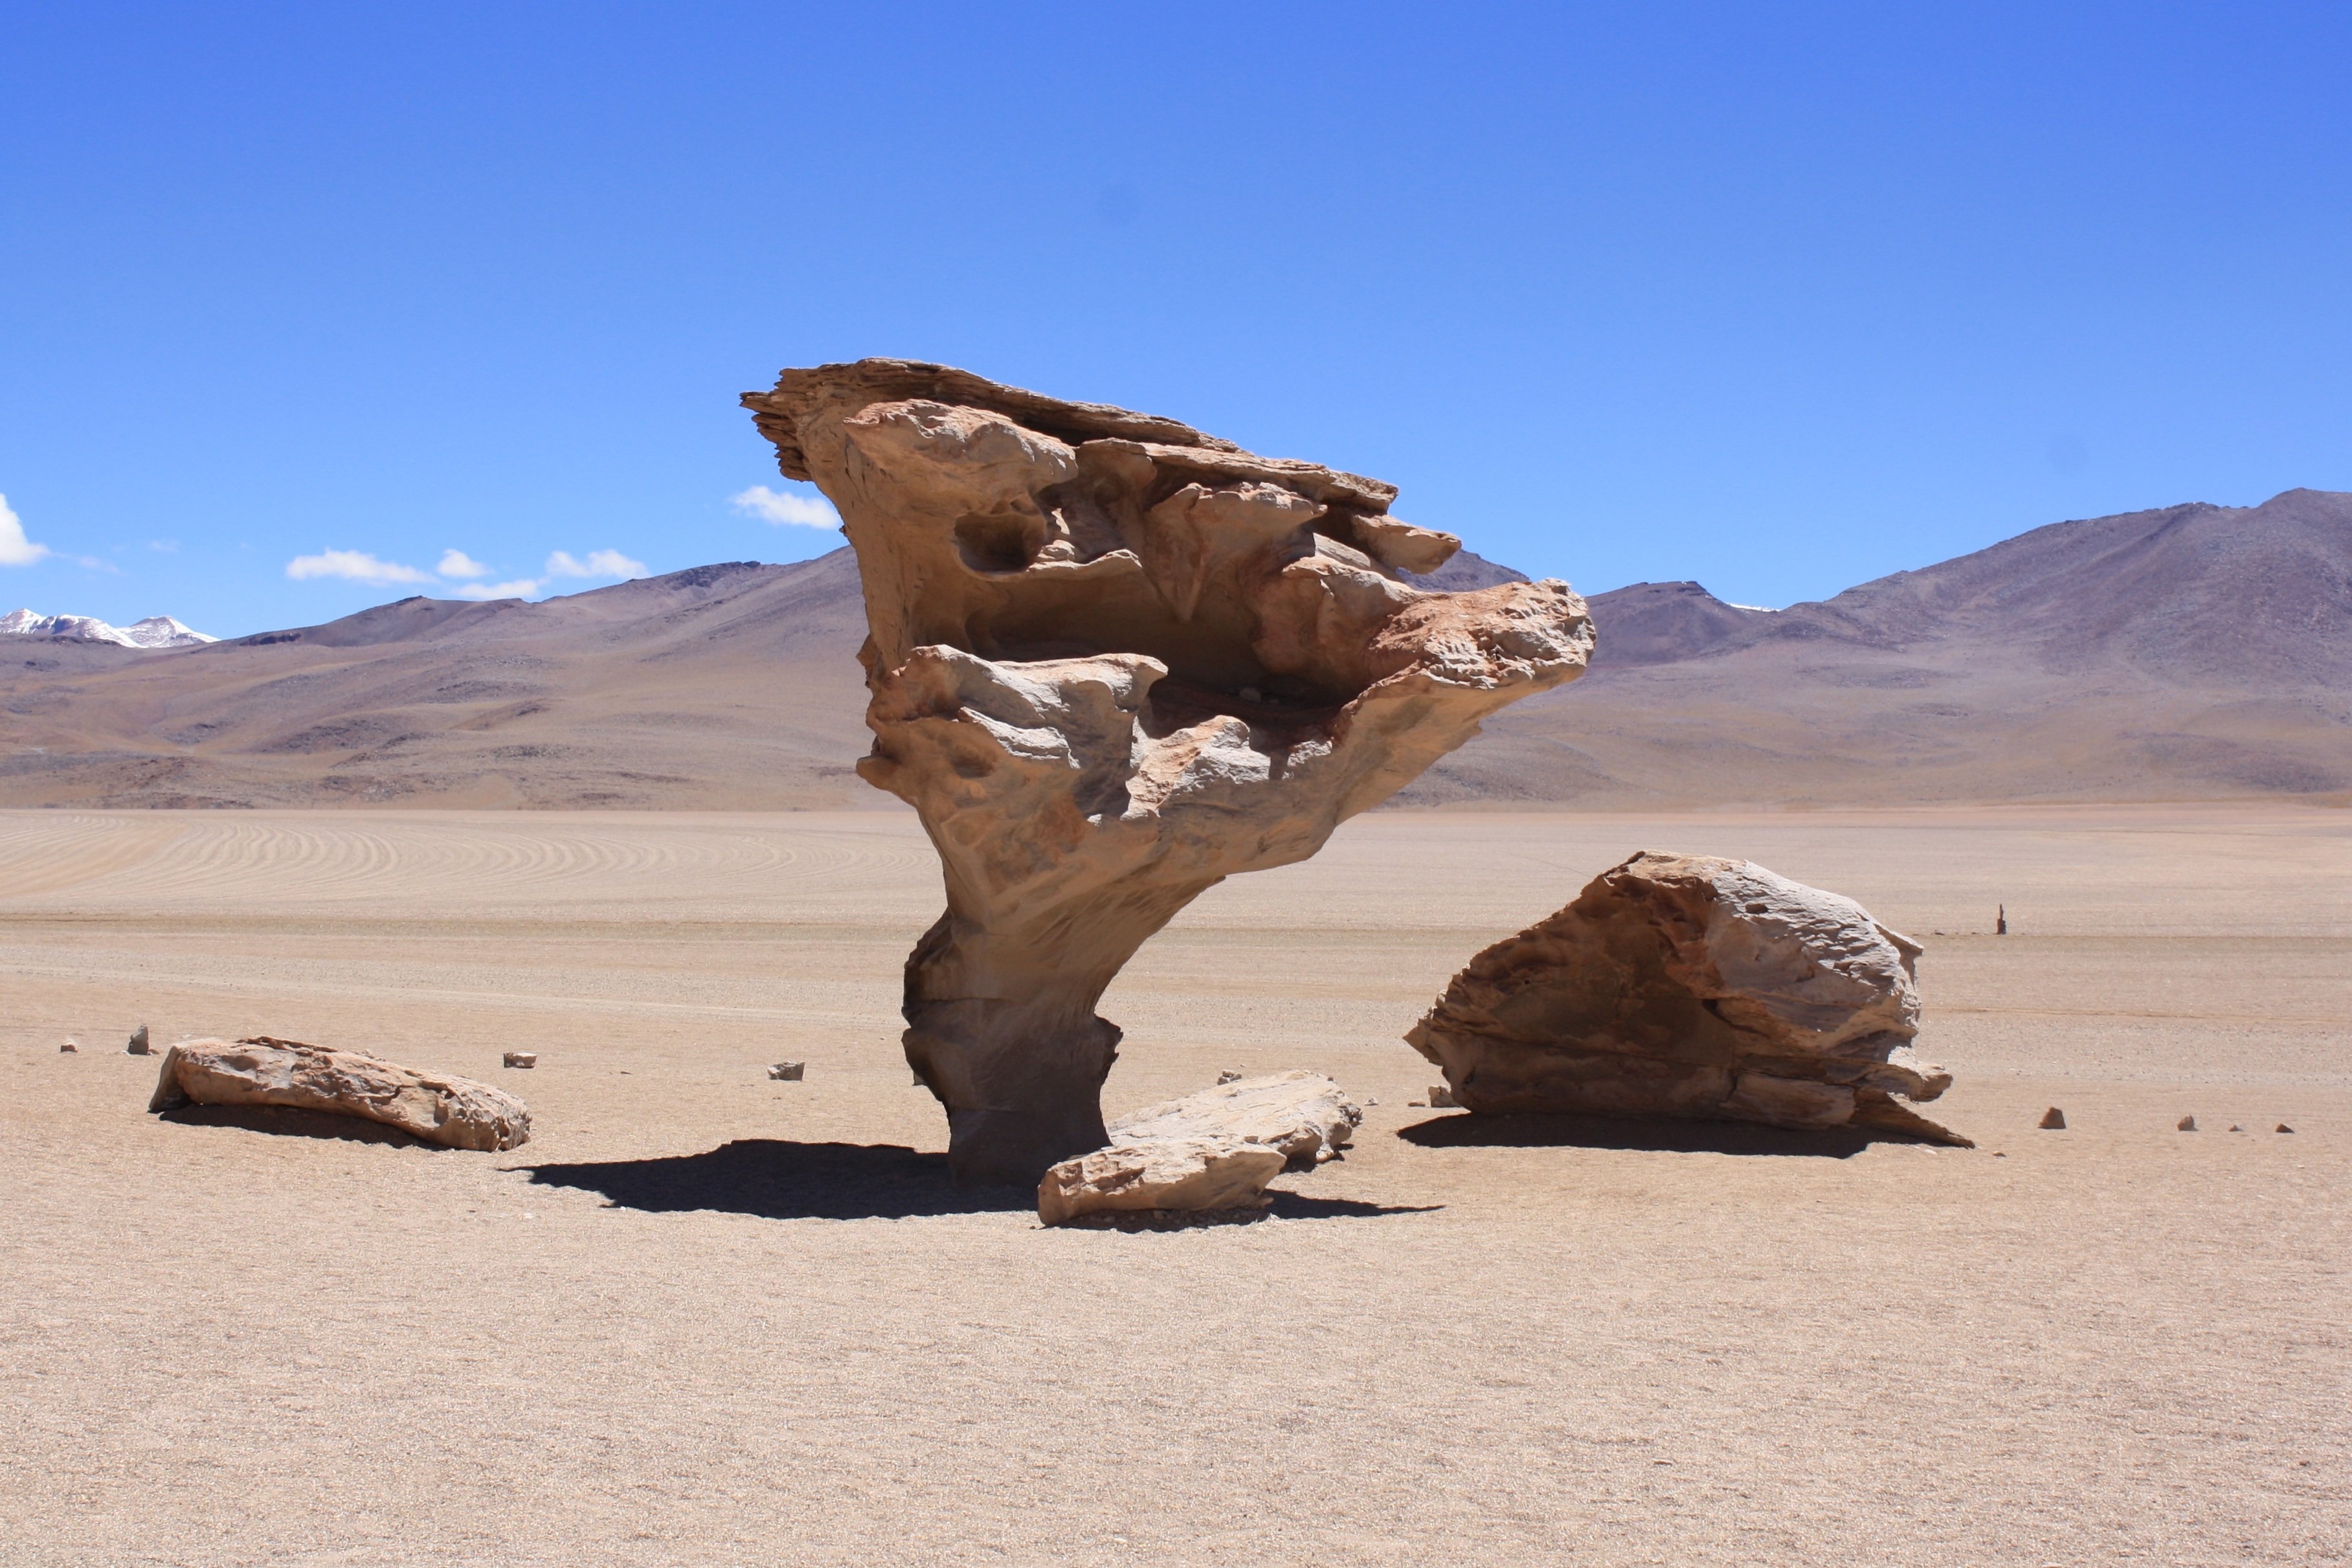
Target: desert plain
pixel 704 1317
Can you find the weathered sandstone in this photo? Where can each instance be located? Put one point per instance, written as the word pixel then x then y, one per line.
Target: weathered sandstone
pixel 454 1111
pixel 1193 1175
pixel 1683 985
pixel 1301 1114
pixel 1113 661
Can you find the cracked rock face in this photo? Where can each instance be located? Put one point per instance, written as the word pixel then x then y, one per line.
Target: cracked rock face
pixel 1113 661
pixel 1683 985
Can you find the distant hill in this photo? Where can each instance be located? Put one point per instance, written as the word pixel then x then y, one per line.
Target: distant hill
pixel 2189 652
pixel 2192 652
pixel 733 684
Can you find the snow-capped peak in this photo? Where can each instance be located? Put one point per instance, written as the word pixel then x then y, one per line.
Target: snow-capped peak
pixel 156 631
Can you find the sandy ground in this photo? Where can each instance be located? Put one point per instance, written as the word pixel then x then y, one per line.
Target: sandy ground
pixel 704 1318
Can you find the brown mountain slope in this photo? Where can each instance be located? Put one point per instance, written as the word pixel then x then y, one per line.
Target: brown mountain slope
pixel 2192 652
pixel 733 684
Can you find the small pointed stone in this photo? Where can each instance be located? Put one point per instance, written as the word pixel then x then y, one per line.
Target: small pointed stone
pixel 2054 1120
pixel 137 1045
pixel 1440 1097
pixel 2235 1128
pixel 788 1072
pixel 2189 1124
pixel 2283 1127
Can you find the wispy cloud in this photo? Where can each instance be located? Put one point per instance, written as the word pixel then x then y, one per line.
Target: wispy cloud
pixel 458 564
pixel 785 508
pixel 16 549
pixel 356 566
pixel 600 563
pixel 520 588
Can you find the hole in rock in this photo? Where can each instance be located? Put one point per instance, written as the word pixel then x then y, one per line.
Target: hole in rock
pixel 1006 542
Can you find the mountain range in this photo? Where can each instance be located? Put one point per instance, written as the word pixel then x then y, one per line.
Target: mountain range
pixel 156 631
pixel 2195 651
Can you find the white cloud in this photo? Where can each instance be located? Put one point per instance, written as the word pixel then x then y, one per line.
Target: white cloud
pixel 356 566
pixel 783 508
pixel 520 588
pixel 458 564
pixel 600 563
pixel 16 549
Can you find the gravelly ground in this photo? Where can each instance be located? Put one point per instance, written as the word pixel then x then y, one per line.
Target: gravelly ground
pixel 707 1317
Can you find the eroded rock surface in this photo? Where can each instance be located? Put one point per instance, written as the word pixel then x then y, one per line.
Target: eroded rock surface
pixel 455 1112
pixel 1190 1175
pixel 1302 1114
pixel 1113 661
pixel 1685 985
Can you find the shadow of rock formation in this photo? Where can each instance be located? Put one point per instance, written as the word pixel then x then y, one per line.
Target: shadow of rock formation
pixel 774 1178
pixel 1540 1130
pixel 285 1121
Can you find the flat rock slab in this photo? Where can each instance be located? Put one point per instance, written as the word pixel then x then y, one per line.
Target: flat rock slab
pixel 1688 985
pixel 1302 1114
pixel 454 1113
pixel 1196 1174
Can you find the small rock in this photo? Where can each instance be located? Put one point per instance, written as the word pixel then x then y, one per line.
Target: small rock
pixel 2283 1127
pixel 1416 1105
pixel 2054 1120
pixel 1197 1174
pixel 1440 1097
pixel 69 1047
pixel 2189 1124
pixel 1370 1101
pixel 137 1045
pixel 1229 1075
pixel 2235 1128
pixel 1298 1113
pixel 522 1058
pixel 788 1072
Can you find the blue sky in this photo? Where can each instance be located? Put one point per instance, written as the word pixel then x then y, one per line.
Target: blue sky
pixel 1779 298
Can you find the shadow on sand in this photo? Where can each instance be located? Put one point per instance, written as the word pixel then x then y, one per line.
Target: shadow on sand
pixel 1533 1131
pixel 284 1121
pixel 773 1179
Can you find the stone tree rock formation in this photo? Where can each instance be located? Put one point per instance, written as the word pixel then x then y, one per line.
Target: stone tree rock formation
pixel 1683 985
pixel 1113 661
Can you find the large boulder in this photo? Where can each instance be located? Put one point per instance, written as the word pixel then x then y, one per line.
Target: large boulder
pixel 1114 660
pixel 1302 1114
pixel 1685 985
pixel 1190 1175
pixel 455 1112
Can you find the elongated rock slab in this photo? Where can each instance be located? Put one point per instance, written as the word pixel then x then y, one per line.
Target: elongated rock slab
pixel 1191 1174
pixel 1301 1114
pixel 1113 661
pixel 1685 985
pixel 455 1112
